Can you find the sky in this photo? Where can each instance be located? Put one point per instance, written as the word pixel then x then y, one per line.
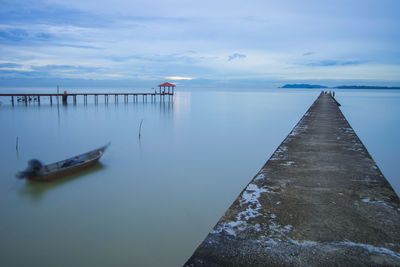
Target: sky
pixel 199 43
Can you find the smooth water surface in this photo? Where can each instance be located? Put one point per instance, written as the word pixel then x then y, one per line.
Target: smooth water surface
pixel 152 200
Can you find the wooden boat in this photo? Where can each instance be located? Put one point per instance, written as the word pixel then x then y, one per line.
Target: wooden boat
pixel 36 171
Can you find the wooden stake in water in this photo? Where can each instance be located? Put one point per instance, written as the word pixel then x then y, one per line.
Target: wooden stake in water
pixel 16 145
pixel 140 128
pixel 58 91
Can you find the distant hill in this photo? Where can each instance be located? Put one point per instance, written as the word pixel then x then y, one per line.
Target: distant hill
pixel 364 87
pixel 303 86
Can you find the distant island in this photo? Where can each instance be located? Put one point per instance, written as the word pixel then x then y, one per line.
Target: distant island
pixel 301 85
pixel 365 87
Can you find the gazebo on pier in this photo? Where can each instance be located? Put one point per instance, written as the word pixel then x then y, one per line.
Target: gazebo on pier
pixel 166 85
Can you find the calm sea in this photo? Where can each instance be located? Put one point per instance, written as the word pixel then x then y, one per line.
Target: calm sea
pixel 152 200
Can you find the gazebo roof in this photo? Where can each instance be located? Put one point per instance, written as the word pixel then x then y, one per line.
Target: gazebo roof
pixel 167 85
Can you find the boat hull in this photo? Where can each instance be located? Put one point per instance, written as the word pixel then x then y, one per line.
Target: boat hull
pixel 62 174
pixel 63 168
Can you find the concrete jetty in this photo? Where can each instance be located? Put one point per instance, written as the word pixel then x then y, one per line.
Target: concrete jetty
pixel 320 200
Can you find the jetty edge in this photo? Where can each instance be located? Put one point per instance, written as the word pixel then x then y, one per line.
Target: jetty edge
pixel 320 200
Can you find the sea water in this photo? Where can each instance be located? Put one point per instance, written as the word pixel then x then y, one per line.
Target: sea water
pixel 152 199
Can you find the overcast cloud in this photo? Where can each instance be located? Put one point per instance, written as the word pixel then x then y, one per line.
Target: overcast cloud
pixel 203 40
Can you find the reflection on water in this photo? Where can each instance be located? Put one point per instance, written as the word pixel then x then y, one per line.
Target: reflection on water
pixel 35 190
pixel 153 199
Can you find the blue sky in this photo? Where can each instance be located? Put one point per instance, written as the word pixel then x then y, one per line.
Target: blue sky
pixel 253 42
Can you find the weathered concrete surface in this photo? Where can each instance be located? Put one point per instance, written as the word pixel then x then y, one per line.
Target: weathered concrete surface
pixel 319 200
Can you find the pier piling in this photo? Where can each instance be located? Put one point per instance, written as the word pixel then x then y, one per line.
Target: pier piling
pixel 37 97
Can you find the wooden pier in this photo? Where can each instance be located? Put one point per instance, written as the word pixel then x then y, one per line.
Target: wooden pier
pixel 165 90
pixel 135 97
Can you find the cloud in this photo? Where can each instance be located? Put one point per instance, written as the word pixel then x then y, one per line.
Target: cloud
pixel 65 69
pixel 76 46
pixel 44 12
pixel 18 70
pixel 23 34
pixel 236 56
pixel 8 65
pixel 43 36
pixel 328 63
pixel 99 39
pixel 14 35
pixel 176 78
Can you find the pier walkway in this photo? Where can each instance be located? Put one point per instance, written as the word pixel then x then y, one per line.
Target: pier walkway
pixel 320 200
pixel 28 97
